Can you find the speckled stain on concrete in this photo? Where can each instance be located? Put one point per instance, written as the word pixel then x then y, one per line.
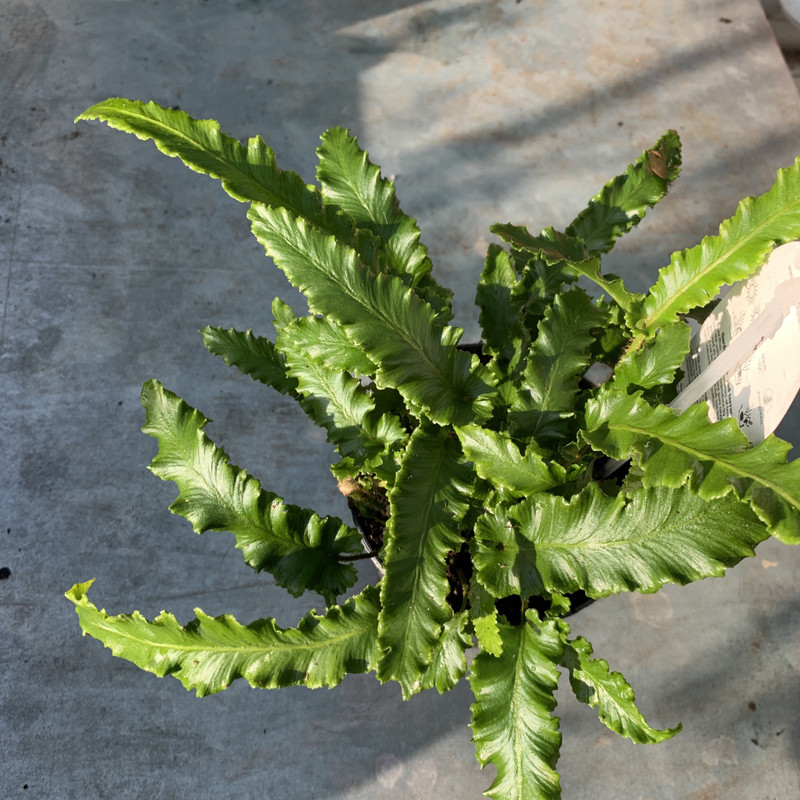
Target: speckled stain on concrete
pixel 112 256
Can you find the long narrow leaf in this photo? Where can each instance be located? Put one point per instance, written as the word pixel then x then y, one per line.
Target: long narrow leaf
pixel 352 183
pixel 337 401
pixel 552 244
pixel 544 404
pixel 672 447
pixel 253 355
pixel 449 663
pixel 656 362
pixel 428 502
pixel 596 686
pixel 248 173
pixel 500 312
pixel 209 653
pixel 296 546
pixel 398 331
pixel 327 343
pixel 622 202
pixel 694 276
pixel 606 545
pixel 499 461
pixel 512 723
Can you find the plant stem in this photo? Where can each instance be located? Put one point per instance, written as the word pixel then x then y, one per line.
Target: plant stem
pixel 359 556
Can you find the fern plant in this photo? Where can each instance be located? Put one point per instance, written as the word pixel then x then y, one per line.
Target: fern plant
pixel 477 469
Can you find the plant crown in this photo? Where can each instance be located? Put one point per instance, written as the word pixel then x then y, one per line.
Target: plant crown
pixel 483 466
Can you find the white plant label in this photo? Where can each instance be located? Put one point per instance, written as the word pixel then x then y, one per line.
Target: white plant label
pixel 745 358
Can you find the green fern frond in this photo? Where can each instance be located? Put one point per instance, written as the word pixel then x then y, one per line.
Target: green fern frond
pixel 636 541
pixel 595 685
pixel 398 331
pixel 694 276
pixel 512 724
pixel 296 546
pixel 428 502
pixel 623 201
pixel 672 447
pixel 209 653
pixel 352 183
pixel 255 356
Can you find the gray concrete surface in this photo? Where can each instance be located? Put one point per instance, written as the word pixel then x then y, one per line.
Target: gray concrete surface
pixel 112 256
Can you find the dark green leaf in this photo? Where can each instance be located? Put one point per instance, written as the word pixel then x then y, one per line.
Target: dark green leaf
pixel 622 202
pixel 544 404
pixel 500 314
pixel 428 501
pixel 336 400
pixel 253 355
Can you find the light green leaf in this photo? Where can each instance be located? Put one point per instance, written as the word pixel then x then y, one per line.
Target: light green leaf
pixel 253 355
pixel 622 202
pixel 428 501
pixel 449 663
pixel 352 183
pixel 694 276
pixel 282 314
pixel 337 401
pixel 499 461
pixel 327 343
pixel 209 653
pixel 671 447
pixel 656 362
pixel 637 541
pixel 596 686
pixel 397 330
pixel 611 284
pixel 248 173
pixel 512 723
pixel 483 613
pixel 296 546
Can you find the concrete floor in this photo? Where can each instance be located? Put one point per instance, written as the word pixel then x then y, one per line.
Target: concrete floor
pixel 113 256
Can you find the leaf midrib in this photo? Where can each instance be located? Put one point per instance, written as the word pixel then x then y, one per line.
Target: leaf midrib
pixel 294 646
